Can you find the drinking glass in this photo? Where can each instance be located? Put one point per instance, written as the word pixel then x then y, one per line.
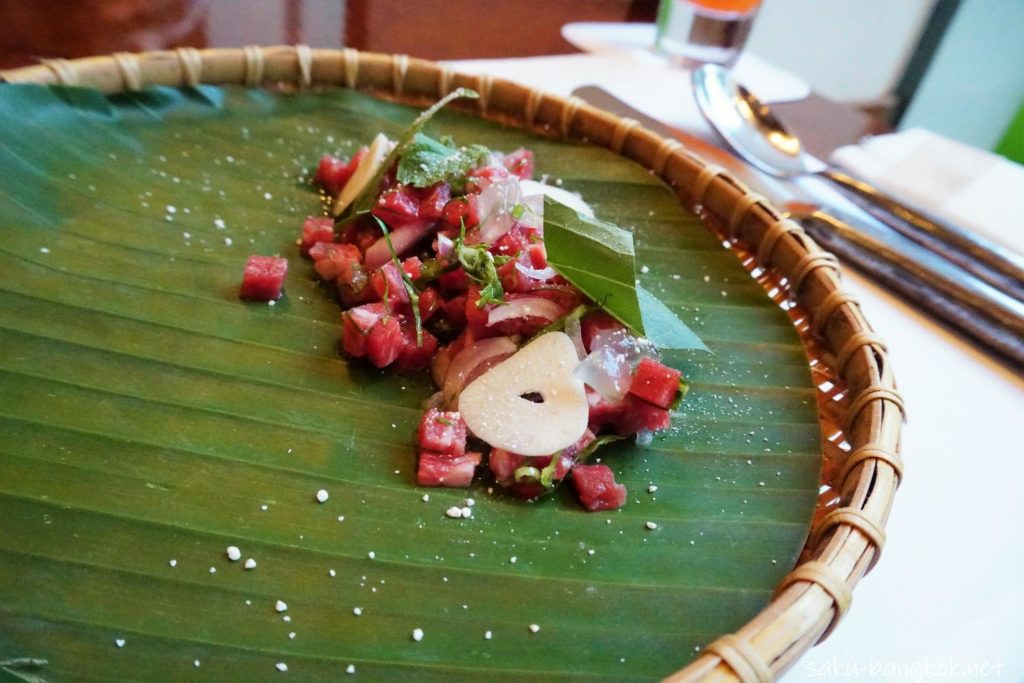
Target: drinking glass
pixel 695 32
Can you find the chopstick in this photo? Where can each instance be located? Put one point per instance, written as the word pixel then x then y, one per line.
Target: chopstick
pixel 993 321
pixel 1000 267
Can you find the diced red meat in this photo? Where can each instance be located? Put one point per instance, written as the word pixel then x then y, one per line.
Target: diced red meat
pixel 433 201
pixel 318 250
pixel 528 490
pixel 430 303
pixel 443 469
pixel 597 488
pixel 263 278
pixel 455 311
pixel 597 321
pixel 479 179
pixel 566 457
pixel 444 432
pixel 512 280
pixel 413 356
pixel 358 291
pixel 476 317
pixel 332 173
pixel 655 383
pixel 363 234
pixel 515 280
pixel 603 413
pixel 538 255
pixel 638 414
pixel 356 324
pixel 519 163
pixel 388 283
pixel 412 266
pixel 459 211
pixel 399 207
pixel 385 342
pixel 511 243
pixel 453 281
pixel 569 455
pixel 388 280
pixel 335 261
pixel 316 229
pixel 504 464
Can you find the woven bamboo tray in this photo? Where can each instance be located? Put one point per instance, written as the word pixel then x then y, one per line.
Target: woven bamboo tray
pixel 846 542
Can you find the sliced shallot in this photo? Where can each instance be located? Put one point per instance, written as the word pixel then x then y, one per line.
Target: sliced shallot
pixel 525 307
pixel 539 274
pixel 466 364
pixel 402 240
pixel 495 206
pixel 444 245
pixel 532 188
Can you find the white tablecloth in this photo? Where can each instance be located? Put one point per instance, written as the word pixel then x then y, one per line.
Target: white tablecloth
pixel 946 602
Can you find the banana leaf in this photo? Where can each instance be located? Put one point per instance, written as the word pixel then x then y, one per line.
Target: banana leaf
pixel 150 419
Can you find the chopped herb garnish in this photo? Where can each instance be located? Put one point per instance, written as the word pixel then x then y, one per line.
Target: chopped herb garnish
pixel 433 268
pixel 414 295
pixel 364 201
pixel 527 474
pixel 547 475
pixel 480 267
pixel 684 387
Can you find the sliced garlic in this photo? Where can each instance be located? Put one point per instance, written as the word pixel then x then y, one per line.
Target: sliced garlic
pixel 531 188
pixel 364 173
pixel 496 411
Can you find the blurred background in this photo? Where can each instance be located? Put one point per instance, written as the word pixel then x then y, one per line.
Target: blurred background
pixel 955 67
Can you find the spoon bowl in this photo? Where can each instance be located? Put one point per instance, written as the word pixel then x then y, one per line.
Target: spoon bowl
pixel 754 132
pixel 750 126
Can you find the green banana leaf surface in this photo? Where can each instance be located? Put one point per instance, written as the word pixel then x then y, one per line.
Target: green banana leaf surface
pixel 150 419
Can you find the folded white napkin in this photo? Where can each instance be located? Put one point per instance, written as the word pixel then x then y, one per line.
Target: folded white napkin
pixel 965 186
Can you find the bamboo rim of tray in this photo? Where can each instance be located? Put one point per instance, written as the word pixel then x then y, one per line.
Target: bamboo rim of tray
pixel 846 543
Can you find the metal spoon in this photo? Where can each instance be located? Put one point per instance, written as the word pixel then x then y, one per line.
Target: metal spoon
pixel 753 131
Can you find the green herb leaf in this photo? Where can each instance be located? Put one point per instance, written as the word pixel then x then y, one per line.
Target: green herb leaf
pixel 427 161
pixel 663 327
pixel 598 258
pixel 364 200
